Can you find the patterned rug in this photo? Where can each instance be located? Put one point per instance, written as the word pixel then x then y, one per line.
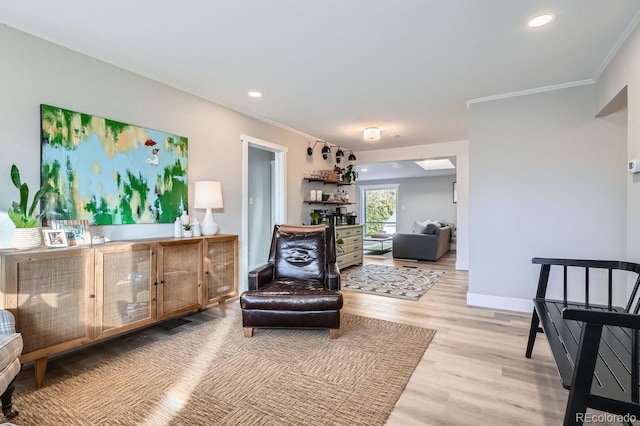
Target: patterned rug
pixel 210 374
pixel 403 283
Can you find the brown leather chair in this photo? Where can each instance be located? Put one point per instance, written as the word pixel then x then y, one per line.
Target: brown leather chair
pixel 300 284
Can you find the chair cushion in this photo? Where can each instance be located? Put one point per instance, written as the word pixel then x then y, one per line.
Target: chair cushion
pixel 8 373
pixel 292 295
pixel 300 255
pixel 10 348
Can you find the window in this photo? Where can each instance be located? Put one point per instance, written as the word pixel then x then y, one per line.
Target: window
pixel 379 208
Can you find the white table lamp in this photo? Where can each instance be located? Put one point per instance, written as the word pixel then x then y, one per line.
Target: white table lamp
pixel 208 195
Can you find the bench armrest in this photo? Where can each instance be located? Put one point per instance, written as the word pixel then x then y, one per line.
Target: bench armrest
pixel 619 319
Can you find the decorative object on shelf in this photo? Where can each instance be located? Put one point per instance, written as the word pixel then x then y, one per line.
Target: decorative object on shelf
pixel 208 195
pixel 146 166
pixel 27 234
pixel 326 150
pixel 77 231
pixel 184 218
pixel 188 232
pixel 371 133
pixel 349 174
pixel 177 228
pixel 54 238
pixel 312 195
pixel 319 195
pixel 196 228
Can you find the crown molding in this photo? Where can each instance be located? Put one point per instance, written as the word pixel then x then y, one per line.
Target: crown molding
pixel 531 91
pixel 618 44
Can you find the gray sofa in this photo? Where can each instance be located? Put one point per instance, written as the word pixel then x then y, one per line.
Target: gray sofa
pixel 422 246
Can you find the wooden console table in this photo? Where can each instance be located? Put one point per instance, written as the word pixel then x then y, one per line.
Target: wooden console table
pixel 69 297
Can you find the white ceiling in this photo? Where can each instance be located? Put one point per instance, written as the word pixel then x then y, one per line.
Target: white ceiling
pixel 330 68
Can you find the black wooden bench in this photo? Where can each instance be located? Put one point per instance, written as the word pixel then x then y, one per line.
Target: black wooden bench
pixel 595 346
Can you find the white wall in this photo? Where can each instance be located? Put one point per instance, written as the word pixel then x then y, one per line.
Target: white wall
pixel 547 179
pixel 624 72
pixel 35 71
pixel 459 149
pixel 421 198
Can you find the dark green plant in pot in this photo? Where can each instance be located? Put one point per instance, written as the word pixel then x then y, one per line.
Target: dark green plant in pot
pixel 21 214
pixel 349 174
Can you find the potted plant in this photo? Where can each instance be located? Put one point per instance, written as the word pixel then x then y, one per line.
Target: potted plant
pixel 27 234
pixel 349 174
pixel 188 232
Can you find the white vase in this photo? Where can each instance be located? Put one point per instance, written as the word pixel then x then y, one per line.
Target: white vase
pixel 188 233
pixel 26 238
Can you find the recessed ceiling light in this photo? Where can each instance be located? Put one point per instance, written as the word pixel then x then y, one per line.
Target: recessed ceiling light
pixel 255 94
pixel 541 20
pixel 441 164
pixel 364 170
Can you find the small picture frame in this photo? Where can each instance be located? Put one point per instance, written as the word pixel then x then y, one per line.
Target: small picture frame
pixel 54 238
pixel 77 231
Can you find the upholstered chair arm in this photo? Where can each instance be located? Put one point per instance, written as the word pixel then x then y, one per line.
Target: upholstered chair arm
pixel 7 322
pixel 333 277
pixel 260 276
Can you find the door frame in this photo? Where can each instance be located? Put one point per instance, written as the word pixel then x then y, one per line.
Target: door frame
pixel 279 195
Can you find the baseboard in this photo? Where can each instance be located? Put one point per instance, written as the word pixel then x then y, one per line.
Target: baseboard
pixel 500 302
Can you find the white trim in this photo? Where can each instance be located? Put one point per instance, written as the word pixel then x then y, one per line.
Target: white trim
pixel 618 44
pixel 531 91
pixel 500 302
pixel 280 194
pixel 461 266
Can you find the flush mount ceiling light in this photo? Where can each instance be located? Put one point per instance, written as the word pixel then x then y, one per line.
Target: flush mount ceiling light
pixel 372 133
pixel 541 20
pixel 255 94
pixel 440 164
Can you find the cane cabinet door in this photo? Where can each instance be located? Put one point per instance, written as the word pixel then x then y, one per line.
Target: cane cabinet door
pixel 220 268
pixel 179 276
pixel 51 294
pixel 125 287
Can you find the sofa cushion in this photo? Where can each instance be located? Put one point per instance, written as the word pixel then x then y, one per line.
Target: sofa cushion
pixel 420 227
pixel 432 228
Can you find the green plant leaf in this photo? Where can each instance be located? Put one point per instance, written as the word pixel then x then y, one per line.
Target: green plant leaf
pixel 36 198
pixel 24 197
pixel 15 176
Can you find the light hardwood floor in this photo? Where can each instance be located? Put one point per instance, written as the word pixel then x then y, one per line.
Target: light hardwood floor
pixel 473 373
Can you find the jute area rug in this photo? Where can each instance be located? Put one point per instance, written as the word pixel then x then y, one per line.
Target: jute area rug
pixel 210 374
pixel 403 283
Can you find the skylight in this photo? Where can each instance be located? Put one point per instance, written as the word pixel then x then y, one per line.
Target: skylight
pixel 441 164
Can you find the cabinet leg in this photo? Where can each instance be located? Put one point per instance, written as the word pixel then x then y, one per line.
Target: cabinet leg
pixel 334 333
pixel 40 367
pixel 223 307
pixel 248 331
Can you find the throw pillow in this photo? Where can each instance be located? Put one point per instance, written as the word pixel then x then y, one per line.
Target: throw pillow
pixel 420 227
pixel 432 228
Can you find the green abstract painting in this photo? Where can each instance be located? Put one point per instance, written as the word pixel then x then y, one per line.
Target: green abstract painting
pixel 110 173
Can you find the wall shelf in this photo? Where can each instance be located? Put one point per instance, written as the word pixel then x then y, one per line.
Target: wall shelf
pixel 343 203
pixel 331 182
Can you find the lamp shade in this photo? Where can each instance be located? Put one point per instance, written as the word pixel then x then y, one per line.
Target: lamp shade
pixel 208 195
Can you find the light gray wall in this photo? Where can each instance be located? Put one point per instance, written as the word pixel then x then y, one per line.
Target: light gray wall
pixel 547 179
pixel 35 71
pixel 260 205
pixel 420 199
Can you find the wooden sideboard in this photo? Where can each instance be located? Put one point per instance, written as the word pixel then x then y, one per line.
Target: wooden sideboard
pixel 69 297
pixel 350 251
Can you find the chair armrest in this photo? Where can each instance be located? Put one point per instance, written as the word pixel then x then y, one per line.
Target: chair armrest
pixel 333 277
pixel 260 276
pixel 7 322
pixel 619 319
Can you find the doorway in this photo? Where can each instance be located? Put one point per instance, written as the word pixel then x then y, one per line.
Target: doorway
pixel 263 200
